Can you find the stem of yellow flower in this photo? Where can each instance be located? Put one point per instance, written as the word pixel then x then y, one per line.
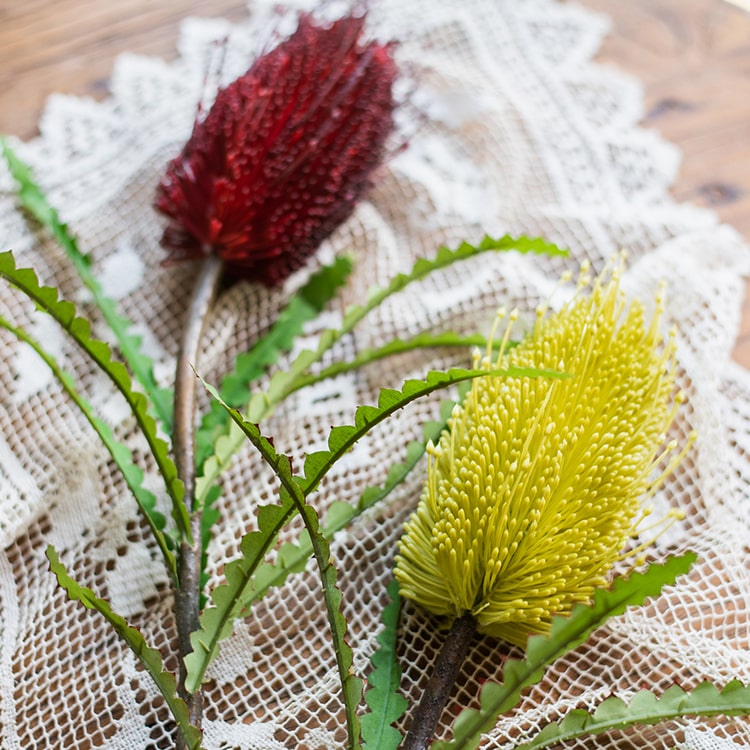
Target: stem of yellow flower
pixel 438 689
pixel 187 597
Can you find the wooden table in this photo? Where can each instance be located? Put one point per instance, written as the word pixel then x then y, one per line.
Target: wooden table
pixel 693 57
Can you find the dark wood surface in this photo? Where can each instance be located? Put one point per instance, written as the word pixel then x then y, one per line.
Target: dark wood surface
pixel 692 56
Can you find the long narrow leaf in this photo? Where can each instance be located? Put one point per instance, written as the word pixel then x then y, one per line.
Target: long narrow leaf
pixel 396 346
pixel 119 452
pixel 287 381
pixel 644 707
pixel 149 657
pixel 386 704
pixel 566 634
pixel 46 298
pixel 35 202
pixel 350 684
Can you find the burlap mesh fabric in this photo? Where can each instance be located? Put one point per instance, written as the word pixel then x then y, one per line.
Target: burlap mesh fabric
pixel 510 127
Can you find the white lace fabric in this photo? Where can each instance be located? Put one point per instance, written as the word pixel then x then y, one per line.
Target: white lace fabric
pixel 519 131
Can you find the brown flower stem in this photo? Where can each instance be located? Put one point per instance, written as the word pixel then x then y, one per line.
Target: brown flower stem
pixel 438 689
pixel 187 597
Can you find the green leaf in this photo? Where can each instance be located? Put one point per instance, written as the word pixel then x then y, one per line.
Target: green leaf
pixel 396 346
pixel 566 634
pixel 46 298
pixel 292 378
pixel 149 657
pixel 229 598
pixel 386 704
pixel 35 202
pixel 443 258
pixel 216 621
pixel 120 453
pixel 705 700
pixel 304 305
pixel 291 486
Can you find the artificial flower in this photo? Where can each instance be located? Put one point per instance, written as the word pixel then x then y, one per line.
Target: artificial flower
pixel 538 484
pixel 284 153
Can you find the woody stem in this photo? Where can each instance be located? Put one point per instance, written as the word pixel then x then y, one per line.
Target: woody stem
pixel 187 597
pixel 437 691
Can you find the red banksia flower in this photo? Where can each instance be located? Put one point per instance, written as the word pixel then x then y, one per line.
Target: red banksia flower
pixel 284 153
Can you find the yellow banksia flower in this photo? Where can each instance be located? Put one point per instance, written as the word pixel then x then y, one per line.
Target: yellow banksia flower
pixel 538 484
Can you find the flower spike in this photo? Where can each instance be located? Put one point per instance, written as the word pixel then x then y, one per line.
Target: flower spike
pixel 537 485
pixel 284 153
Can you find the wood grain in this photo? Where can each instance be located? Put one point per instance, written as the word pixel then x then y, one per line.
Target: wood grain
pixel 68 46
pixel 692 56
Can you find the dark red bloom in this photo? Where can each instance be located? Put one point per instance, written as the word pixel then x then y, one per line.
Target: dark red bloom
pixel 284 153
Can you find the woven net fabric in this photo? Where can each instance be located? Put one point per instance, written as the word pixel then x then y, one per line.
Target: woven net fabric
pixel 510 128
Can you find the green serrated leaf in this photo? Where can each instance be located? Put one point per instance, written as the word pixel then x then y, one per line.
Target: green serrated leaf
pixel 284 383
pixel 386 704
pixel 216 621
pixel 79 329
pixel 35 202
pixel 120 453
pixel 705 701
pixel 566 634
pixel 350 684
pixel 149 658
pixel 396 346
pixel 444 258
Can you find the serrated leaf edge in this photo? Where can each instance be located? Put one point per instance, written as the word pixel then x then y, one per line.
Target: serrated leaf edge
pixel 566 633
pixel 34 200
pixel 645 707
pixel 64 312
pixel 119 452
pixel 386 705
pixel 150 658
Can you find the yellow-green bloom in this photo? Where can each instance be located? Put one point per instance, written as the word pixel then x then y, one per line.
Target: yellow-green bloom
pixel 537 485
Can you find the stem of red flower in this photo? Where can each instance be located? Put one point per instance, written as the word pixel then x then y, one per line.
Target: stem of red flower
pixel 187 597
pixel 438 689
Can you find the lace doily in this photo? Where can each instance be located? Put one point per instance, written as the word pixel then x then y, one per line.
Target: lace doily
pixel 517 131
